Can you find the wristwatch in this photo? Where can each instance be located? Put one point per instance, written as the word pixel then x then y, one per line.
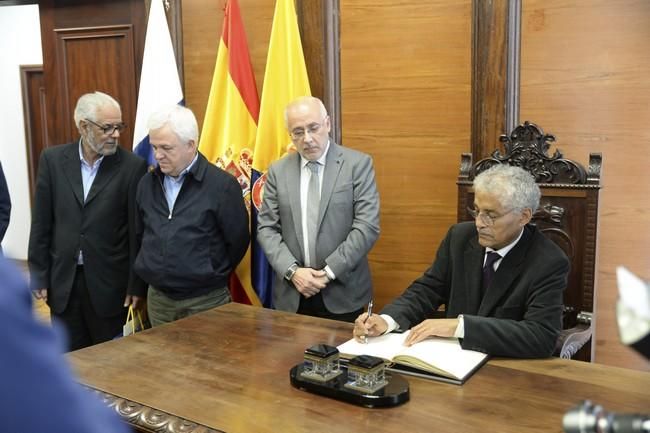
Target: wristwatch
pixel 290 272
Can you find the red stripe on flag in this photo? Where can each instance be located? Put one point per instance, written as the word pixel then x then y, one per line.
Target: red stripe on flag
pixel 237 292
pixel 239 64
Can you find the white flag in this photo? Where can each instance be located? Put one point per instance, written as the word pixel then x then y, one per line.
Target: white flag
pixel 160 85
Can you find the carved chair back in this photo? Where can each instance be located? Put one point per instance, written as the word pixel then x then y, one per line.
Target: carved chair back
pixel 568 214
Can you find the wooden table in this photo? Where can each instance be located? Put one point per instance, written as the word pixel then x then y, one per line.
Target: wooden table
pixel 228 370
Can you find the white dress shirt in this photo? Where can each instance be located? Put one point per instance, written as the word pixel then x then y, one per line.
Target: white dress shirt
pixel 305 175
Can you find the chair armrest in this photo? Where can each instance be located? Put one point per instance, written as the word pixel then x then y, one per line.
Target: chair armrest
pixel 571 340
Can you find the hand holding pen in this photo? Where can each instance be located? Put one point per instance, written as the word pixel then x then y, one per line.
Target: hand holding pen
pixel 370 304
pixel 369 325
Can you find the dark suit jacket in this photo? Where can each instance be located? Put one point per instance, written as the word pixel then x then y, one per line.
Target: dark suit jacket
pixel 103 227
pixel 5 206
pixel 38 391
pixel 521 312
pixel 348 227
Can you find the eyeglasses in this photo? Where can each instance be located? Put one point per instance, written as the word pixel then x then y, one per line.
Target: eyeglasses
pixel 109 129
pixel 299 133
pixel 487 218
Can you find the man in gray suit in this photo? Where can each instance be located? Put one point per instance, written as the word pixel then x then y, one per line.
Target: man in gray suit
pixel 319 219
pixel 82 243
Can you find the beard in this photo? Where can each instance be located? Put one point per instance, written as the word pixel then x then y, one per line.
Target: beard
pixel 104 148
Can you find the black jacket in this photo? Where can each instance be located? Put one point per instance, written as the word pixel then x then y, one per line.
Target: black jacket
pixel 191 250
pixel 102 226
pixel 520 315
pixel 5 206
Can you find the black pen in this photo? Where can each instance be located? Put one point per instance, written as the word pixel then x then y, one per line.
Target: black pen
pixel 369 310
pixel 365 338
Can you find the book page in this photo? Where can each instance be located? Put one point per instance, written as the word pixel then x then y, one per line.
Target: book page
pixel 384 346
pixel 444 354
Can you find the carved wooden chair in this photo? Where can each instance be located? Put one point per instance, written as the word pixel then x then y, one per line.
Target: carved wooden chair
pixel 568 214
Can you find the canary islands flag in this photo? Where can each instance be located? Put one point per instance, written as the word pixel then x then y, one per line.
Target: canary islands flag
pixel 285 79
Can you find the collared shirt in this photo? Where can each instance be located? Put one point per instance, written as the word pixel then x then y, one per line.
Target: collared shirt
pixel 88 171
pixel 460 329
pixel 88 174
pixel 305 175
pixel 173 185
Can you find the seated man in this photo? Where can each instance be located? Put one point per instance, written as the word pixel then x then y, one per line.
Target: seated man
pixel 500 279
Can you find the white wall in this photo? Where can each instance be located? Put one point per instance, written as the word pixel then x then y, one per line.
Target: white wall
pixel 20 44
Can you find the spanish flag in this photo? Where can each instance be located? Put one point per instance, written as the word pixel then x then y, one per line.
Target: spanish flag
pixel 285 79
pixel 230 125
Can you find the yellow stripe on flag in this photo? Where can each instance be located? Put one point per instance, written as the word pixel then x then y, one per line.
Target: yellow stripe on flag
pixel 285 79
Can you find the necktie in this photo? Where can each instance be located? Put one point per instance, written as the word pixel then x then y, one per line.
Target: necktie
pixel 313 205
pixel 488 270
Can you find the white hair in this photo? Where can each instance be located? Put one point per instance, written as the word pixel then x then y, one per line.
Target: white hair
pixel 88 104
pixel 180 120
pixel 513 186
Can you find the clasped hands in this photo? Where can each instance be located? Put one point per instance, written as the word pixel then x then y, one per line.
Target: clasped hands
pixel 375 325
pixel 310 281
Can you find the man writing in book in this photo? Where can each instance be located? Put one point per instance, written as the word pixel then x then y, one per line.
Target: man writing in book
pixel 500 278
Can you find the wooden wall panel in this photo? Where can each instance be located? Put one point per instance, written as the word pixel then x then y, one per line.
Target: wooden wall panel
pixel 585 67
pixel 489 75
pixel 202 26
pixel 33 92
pixel 110 50
pixel 90 45
pixel 405 78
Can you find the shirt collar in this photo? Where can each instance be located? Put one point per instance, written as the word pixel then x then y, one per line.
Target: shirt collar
pixel 505 250
pixel 83 161
pixel 321 160
pixel 182 174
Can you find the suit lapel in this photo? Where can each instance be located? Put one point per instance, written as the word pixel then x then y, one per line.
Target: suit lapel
pixel 474 265
pixel 107 169
pixel 511 266
pixel 333 165
pixel 72 170
pixel 293 186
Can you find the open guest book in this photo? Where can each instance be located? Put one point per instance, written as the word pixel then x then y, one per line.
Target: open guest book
pixel 434 358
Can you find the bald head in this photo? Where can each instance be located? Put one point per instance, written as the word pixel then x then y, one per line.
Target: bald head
pixel 309 126
pixel 304 104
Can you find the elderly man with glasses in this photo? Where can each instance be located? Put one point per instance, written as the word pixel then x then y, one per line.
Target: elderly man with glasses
pixel 500 278
pixel 82 243
pixel 319 219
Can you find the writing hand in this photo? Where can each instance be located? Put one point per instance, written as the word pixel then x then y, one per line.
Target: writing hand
pixel 365 327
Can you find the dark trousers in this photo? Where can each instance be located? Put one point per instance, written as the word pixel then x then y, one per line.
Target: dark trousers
pixel 82 323
pixel 314 306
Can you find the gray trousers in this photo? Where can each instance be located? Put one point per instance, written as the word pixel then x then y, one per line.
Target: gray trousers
pixel 163 309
